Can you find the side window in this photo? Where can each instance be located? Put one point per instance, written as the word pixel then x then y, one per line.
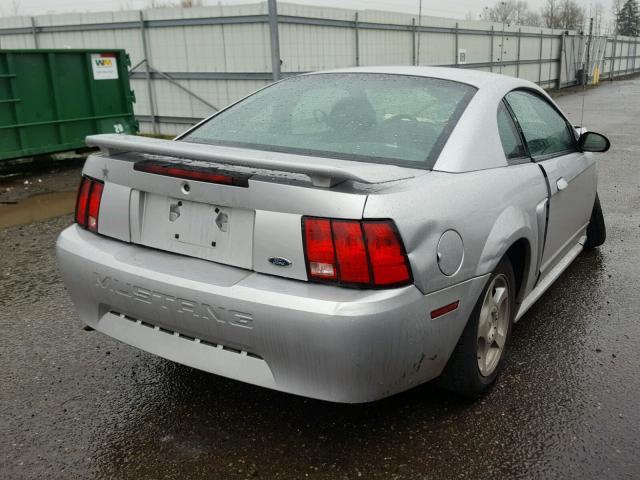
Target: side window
pixel 511 141
pixel 545 130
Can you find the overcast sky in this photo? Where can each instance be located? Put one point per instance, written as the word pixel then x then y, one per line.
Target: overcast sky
pixel 440 8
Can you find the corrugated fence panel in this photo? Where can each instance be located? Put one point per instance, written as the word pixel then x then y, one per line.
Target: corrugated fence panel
pixel 217 54
pixel 437 49
pixel 206 49
pixel 17 41
pixel 248 47
pixel 478 48
pixel 381 47
pixel 305 48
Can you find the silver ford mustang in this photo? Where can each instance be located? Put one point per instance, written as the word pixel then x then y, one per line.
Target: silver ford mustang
pixel 341 235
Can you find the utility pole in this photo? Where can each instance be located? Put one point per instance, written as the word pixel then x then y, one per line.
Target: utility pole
pixel 587 67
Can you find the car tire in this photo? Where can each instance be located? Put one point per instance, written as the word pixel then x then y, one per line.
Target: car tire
pixel 463 373
pixel 596 231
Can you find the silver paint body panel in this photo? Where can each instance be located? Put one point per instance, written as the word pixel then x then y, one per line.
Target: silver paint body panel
pixel 250 319
pixel 319 341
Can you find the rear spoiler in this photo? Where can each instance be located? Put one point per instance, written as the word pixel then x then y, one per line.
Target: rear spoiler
pixel 323 172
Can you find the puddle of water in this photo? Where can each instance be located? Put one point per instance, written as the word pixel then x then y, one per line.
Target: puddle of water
pixel 38 207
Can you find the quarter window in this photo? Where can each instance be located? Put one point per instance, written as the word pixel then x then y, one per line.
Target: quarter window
pixel 545 130
pixel 509 136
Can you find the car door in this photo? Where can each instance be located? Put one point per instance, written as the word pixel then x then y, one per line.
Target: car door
pixel 571 174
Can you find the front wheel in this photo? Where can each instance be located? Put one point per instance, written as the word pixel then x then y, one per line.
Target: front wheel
pixel 596 230
pixel 479 355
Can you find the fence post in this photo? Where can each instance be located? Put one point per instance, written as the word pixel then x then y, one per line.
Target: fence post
pixel 587 75
pixel 419 36
pixel 413 41
pixel 456 53
pixel 613 58
pixel 34 32
pixel 502 46
pixel 562 54
pixel 626 67
pixel 355 25
pixel 275 41
pixel 518 55
pixel 605 58
pixel 566 57
pixel 491 62
pixel 540 58
pixel 145 52
pixel 629 57
pixel 550 58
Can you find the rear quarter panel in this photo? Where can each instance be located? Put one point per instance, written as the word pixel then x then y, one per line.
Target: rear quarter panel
pixel 490 209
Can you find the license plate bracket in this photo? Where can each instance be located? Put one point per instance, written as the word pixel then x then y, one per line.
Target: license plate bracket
pixel 214 232
pixel 199 224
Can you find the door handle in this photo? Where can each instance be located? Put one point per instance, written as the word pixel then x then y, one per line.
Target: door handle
pixel 561 183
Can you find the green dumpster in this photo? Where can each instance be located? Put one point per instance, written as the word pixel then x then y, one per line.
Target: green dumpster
pixel 50 100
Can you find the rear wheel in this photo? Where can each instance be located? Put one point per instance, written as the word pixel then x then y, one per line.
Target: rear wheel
pixel 596 231
pixel 479 355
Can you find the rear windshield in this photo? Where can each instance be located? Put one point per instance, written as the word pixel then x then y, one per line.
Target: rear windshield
pixel 393 119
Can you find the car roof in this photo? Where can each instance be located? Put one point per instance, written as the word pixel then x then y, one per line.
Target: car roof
pixel 476 78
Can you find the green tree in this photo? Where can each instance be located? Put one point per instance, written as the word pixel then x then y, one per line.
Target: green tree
pixel 628 19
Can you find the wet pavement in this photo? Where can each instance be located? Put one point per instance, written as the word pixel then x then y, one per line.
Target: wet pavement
pixel 76 404
pixel 37 207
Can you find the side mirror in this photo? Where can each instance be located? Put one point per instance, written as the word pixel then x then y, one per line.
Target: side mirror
pixel 593 142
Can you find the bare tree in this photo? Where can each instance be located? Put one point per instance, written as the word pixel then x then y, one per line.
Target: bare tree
pixel 572 15
pixel 598 18
pixel 565 14
pixel 511 12
pixel 175 3
pixel 161 4
pixel 501 12
pixel 520 11
pixel 550 14
pixel 532 19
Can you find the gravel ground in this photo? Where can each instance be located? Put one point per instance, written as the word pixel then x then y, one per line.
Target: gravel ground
pixel 76 404
pixel 24 181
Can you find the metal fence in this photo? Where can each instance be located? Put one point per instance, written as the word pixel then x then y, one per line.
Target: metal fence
pixel 189 62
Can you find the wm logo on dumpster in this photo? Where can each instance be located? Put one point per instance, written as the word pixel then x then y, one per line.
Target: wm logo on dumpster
pixel 103 62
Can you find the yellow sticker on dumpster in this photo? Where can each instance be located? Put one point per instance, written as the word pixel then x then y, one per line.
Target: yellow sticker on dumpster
pixel 104 66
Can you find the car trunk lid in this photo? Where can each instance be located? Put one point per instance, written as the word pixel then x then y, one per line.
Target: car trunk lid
pixel 252 220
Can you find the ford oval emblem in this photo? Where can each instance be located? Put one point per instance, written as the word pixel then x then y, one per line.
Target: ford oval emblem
pixel 280 261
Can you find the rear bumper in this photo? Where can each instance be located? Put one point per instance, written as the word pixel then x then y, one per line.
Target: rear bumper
pixel 318 341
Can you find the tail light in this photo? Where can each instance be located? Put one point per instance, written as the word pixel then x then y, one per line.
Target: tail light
pixel 366 254
pixel 88 203
pixel 191 172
